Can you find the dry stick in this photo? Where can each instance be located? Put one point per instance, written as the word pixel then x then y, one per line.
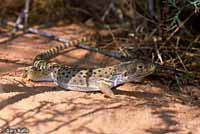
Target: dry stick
pixel 171 35
pixel 194 41
pixel 177 29
pixel 157 50
pixel 111 6
pixel 26 10
pixel 17 23
pixel 159 54
pixel 123 52
pixel 22 15
pixel 179 57
pixel 63 40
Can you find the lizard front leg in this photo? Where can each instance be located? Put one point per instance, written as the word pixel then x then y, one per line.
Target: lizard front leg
pixel 105 88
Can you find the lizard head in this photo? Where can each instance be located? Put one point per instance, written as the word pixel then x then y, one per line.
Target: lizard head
pixel 33 74
pixel 136 70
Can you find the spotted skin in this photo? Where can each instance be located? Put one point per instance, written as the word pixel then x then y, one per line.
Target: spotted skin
pixel 97 79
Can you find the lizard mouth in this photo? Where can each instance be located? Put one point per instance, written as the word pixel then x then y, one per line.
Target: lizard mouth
pixel 139 77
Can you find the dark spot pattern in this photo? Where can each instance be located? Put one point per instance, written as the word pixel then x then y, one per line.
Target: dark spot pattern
pixel 69 72
pixel 110 68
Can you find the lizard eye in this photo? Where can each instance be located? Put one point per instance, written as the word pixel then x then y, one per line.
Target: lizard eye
pixel 140 66
pixel 125 74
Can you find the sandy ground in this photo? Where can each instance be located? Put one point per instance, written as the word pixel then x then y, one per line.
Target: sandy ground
pixel 43 108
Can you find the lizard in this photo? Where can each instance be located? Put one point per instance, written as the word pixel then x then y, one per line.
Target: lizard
pixel 95 79
pixel 79 79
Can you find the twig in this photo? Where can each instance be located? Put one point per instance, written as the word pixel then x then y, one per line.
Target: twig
pixel 26 10
pixel 111 6
pixel 63 40
pixel 177 29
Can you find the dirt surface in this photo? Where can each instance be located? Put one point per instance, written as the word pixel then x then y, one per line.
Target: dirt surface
pixel 43 108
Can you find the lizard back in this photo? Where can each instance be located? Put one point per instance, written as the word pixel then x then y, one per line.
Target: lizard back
pixel 89 79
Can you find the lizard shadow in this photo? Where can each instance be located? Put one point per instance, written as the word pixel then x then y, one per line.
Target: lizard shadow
pixel 23 92
pixel 137 94
pixel 136 89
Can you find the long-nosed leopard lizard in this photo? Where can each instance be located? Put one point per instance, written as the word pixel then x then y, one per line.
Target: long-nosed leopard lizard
pixel 96 79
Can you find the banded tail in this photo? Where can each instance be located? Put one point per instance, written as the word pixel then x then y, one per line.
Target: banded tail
pixel 40 61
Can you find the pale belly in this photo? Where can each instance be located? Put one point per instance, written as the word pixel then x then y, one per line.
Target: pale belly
pixel 78 88
pixel 85 85
pixel 90 84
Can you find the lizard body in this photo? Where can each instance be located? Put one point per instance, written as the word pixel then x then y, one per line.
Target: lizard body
pixel 96 79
